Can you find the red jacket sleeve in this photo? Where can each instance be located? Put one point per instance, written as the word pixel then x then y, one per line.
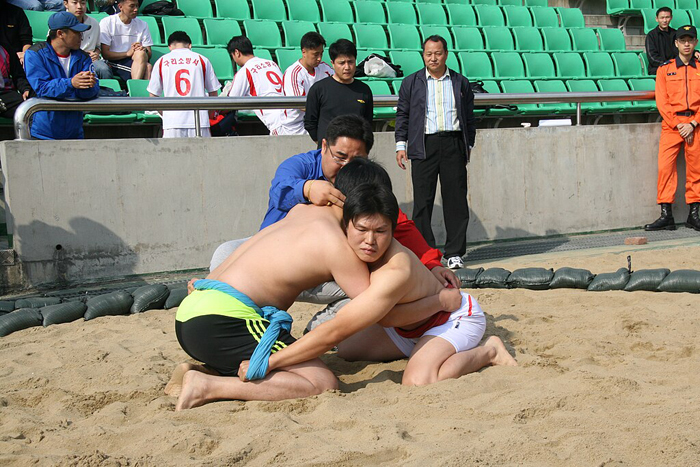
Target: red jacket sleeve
pixel 408 235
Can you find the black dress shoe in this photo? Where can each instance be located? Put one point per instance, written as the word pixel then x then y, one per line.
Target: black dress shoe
pixel 694 217
pixel 665 222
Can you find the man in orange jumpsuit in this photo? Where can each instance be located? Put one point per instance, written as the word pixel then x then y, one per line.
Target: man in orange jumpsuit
pixel 678 101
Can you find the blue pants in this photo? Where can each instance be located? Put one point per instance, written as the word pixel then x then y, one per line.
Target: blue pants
pixel 39 5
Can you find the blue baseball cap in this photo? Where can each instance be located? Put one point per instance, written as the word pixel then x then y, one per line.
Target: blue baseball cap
pixel 66 20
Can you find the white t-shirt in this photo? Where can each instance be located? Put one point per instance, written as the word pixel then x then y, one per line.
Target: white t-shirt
pixel 260 77
pixel 119 36
pixel 91 37
pixel 297 82
pixel 65 63
pixel 183 73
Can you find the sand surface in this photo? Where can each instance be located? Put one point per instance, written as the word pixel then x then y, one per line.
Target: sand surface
pixel 606 378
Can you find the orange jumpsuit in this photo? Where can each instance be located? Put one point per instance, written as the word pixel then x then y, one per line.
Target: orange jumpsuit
pixel 678 101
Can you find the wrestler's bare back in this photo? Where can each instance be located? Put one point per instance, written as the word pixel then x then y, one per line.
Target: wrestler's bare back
pixel 306 248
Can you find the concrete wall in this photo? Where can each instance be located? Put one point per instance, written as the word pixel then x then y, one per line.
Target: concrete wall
pixel 87 210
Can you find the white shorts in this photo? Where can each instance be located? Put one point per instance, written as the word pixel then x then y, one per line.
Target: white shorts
pixel 185 133
pixel 464 329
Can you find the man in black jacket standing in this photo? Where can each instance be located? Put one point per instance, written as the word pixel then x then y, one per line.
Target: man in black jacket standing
pixel 660 45
pixel 435 128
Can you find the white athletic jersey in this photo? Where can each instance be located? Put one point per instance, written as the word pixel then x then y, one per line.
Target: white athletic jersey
pixel 260 77
pixel 183 73
pixel 297 82
pixel 119 36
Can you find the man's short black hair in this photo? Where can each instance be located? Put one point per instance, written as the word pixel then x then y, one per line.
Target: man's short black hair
pixel 179 36
pixel 368 199
pixel 312 40
pixel 664 9
pixel 240 43
pixel 435 38
pixel 361 170
pixel 342 47
pixel 350 126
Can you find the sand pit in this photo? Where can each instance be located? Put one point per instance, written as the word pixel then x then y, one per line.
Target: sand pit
pixel 607 378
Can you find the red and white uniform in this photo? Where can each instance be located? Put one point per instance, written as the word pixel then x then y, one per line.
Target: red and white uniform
pixel 183 73
pixel 297 82
pixel 260 77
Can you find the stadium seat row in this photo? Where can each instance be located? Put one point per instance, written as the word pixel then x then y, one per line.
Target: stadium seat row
pixel 632 7
pixel 680 18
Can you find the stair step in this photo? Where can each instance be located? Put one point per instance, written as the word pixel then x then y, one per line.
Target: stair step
pixel 599 21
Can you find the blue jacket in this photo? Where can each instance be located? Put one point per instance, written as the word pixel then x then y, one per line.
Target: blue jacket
pixel 287 188
pixel 47 78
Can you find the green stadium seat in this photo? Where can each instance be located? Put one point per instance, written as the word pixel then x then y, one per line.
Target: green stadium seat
pixel 268 9
pixel 459 2
pixel 220 31
pixel 381 88
pixel 158 51
pixel 517 16
pixel 667 3
pixel 485 2
pixel 645 62
pixel 337 11
pixel 643 84
pixel 195 8
pixel 468 39
pixel 649 17
pixel 611 40
pixel 402 13
pixel 453 61
pixel 294 30
pixel 585 85
pixel 545 17
pixel 618 7
pixel 304 10
pixel 235 9
pixel 584 40
pixel 427 31
pixel 521 86
pixel 539 65
pixel 404 36
pixel 569 65
pixel 114 85
pixel 599 65
pixel 508 65
pixel 39 22
pixel 429 13
pixel 189 25
pixel 410 61
pixel 461 15
pixel 556 40
pixel 492 88
pixel 617 85
pixel 261 53
pixel 369 12
pixel 331 32
pixel 554 85
pixel 286 57
pixel 138 88
pixel 687 4
pixel 571 18
pixel 510 2
pixel 263 34
pixel 476 65
pixel 528 39
pixel 641 4
pixel 154 30
pixel 627 65
pixel 536 3
pixel 220 61
pixel 370 36
pixel 680 18
pixel 498 39
pixel 489 15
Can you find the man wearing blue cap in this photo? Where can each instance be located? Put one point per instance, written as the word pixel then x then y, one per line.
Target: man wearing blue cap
pixel 58 69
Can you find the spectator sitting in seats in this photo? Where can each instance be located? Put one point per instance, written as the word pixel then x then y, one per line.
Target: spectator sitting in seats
pixel 15 31
pixel 58 69
pixel 38 5
pixel 126 42
pixel 14 87
pixel 91 38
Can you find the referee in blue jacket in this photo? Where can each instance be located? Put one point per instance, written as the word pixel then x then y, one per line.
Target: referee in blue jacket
pixel 58 69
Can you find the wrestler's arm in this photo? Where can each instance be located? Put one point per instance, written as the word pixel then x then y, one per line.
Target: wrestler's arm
pixel 348 271
pixel 406 314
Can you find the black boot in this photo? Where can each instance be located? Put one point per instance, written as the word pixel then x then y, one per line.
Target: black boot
pixel 694 217
pixel 665 222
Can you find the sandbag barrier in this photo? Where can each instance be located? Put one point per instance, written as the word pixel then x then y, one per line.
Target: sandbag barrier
pixel 16 315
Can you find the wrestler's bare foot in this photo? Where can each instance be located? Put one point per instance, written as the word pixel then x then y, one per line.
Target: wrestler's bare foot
pixel 501 357
pixel 174 386
pixel 194 387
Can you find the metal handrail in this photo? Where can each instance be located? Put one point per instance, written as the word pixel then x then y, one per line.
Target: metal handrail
pixel 25 110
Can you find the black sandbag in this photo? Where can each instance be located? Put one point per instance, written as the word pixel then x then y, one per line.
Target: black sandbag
pixel 37 302
pixel 571 278
pixel 530 278
pixel 494 278
pixel 149 297
pixel 112 304
pixel 646 279
pixel 19 319
pixel 610 281
pixel 175 298
pixel 63 313
pixel 6 306
pixel 468 276
pixel 683 280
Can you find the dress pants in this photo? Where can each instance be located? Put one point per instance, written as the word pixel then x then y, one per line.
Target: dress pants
pixel 445 155
pixel 670 145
